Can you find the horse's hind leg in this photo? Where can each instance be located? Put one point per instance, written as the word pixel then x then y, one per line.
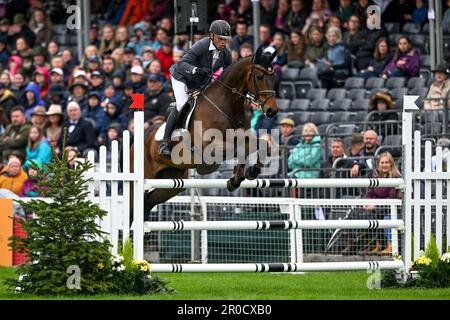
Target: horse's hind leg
pixel 157 196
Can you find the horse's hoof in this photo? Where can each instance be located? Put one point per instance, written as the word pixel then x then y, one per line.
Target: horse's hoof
pixel 252 173
pixel 231 186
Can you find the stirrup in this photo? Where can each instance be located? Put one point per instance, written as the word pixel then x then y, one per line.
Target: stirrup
pixel 165 149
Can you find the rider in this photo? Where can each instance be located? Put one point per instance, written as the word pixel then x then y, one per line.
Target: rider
pixel 205 57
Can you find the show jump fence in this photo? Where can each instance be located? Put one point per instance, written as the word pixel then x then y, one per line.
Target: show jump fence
pixel 417 206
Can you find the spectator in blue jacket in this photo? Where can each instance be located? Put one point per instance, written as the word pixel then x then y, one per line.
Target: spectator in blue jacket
pixel 38 150
pixel 336 63
pixel 304 161
pixel 95 112
pixel 113 114
pixel 420 14
pixel 32 99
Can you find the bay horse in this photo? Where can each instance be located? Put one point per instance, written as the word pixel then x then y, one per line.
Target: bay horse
pixel 222 106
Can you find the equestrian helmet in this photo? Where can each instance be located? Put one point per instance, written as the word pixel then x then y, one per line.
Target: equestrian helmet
pixel 221 28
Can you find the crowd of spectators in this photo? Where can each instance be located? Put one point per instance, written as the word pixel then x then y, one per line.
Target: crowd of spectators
pixel 46 88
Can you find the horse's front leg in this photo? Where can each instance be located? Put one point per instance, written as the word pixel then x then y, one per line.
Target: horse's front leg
pixel 254 170
pixel 234 182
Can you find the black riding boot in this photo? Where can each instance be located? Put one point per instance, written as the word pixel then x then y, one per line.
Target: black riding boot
pixel 164 146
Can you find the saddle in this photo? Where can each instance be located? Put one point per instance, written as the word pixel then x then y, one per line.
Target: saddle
pixel 188 109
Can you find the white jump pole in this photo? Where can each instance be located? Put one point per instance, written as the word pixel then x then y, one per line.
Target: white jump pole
pixel 277 267
pixel 271 225
pixel 275 183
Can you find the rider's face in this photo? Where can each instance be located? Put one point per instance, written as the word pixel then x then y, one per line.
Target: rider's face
pixel 219 42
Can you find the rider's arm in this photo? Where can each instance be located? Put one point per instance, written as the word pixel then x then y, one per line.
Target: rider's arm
pixel 188 63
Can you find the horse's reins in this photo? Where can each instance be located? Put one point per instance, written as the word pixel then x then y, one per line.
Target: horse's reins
pixel 254 98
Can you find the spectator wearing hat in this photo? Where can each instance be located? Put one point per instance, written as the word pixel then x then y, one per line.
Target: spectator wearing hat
pixel 95 112
pixel 39 58
pixel 138 80
pixel 165 55
pixel 97 81
pixel 80 132
pixel 89 52
pixel 93 34
pixel 39 117
pixel 383 104
pixel 42 78
pixel 78 92
pixel 128 55
pixel 15 63
pixel 108 68
pixel 113 114
pixel 38 150
pixel 54 124
pixel 32 99
pixel 4 29
pixel 287 136
pixel 24 51
pixel 140 38
pixel 438 89
pixel 14 139
pixel 109 92
pixel 7 100
pixel 113 133
pixel 13 177
pixel 56 95
pixel 57 77
pixel 20 29
pixel 118 78
pixel 156 100
pixel 94 64
pixel 4 52
pixel 41 25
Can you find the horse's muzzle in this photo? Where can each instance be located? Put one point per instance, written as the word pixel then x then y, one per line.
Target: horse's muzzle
pixel 271 112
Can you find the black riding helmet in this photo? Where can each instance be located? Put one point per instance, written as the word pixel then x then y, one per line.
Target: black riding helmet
pixel 221 28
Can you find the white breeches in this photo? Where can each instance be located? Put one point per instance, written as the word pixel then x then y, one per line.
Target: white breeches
pixel 180 92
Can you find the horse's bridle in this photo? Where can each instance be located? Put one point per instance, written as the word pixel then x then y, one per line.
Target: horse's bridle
pixel 254 97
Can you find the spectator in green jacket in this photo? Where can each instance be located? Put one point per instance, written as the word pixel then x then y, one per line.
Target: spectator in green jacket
pixel 305 159
pixel 15 138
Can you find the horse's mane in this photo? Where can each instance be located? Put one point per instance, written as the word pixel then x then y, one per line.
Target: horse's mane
pixel 236 65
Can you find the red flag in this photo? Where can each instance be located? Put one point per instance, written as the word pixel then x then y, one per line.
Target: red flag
pixel 138 101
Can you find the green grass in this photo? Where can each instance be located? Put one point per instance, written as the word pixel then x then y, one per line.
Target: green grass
pixel 261 286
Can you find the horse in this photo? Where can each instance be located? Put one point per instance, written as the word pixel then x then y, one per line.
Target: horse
pixel 220 105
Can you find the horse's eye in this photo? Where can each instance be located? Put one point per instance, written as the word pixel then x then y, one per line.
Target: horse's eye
pixel 259 76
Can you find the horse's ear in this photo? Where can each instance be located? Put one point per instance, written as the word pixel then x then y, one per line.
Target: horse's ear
pixel 258 53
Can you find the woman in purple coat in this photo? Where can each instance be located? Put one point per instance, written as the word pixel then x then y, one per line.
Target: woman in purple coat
pixel 381 242
pixel 406 61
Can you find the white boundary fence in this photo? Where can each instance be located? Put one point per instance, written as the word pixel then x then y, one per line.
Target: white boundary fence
pixel 412 183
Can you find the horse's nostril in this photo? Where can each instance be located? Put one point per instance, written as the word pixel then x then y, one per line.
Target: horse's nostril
pixel 271 112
